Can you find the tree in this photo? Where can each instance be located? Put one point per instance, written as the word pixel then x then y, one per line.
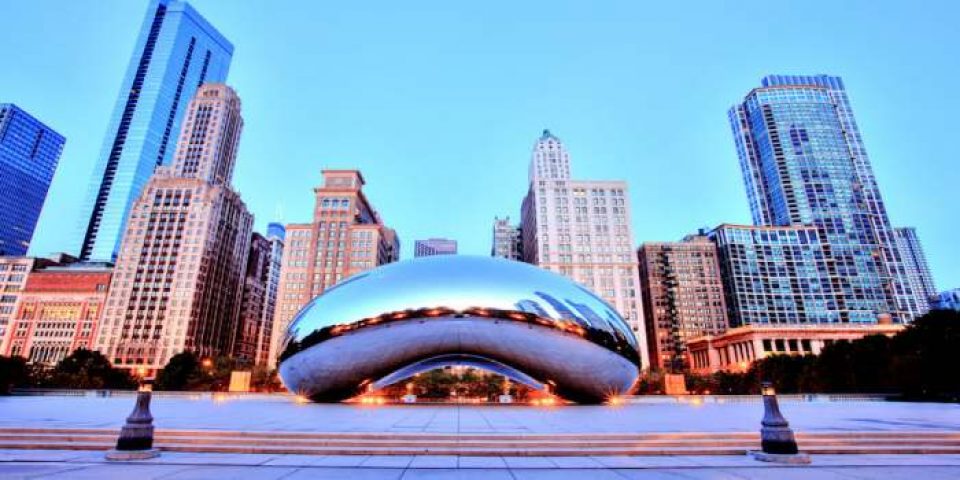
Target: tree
pixel 181 372
pixel 788 373
pixel 185 371
pixel 14 372
pixel 925 356
pixel 89 369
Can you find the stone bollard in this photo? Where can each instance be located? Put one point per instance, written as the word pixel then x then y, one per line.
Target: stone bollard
pixel 136 436
pixel 777 441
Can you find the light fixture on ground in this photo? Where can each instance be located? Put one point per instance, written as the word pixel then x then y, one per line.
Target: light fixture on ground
pixel 136 436
pixel 777 441
pixel 533 326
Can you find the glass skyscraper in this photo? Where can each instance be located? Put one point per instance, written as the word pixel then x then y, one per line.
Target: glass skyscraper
pixel 780 275
pixel 29 152
pixel 175 53
pixel 804 163
pixel 915 265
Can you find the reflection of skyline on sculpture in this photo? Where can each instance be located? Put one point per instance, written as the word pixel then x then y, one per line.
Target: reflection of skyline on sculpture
pixel 530 324
pixel 466 287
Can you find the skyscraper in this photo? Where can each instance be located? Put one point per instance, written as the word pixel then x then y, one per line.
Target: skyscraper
pixel 175 53
pixel 682 296
pixel 581 229
pixel 276 235
pixel 253 300
pixel 916 270
pixel 434 246
pixel 259 296
pixel 804 163
pixel 346 237
pixel 507 242
pixel 781 275
pixel 29 152
pixel 179 276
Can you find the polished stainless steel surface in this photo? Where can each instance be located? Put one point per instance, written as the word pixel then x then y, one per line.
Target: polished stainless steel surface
pixel 533 325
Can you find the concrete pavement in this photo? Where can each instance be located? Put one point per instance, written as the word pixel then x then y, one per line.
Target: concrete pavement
pixel 51 464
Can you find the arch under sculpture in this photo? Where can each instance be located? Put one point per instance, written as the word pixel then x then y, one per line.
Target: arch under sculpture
pixel 531 325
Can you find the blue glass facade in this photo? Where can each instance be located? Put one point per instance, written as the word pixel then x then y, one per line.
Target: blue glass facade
pixel 781 275
pixel 175 53
pixel 29 152
pixel 804 163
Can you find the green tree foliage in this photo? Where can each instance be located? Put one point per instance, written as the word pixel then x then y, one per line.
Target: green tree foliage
pixel 88 369
pixel 918 363
pixel 187 372
pixel 925 360
pixel 182 372
pixel 14 372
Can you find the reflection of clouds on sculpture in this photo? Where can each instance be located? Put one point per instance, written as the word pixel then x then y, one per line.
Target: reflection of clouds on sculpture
pixel 479 300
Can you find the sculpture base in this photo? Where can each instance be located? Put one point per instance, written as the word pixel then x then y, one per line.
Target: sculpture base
pixel 126 455
pixel 792 459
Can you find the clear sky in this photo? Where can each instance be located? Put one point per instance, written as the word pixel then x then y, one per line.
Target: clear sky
pixel 439 103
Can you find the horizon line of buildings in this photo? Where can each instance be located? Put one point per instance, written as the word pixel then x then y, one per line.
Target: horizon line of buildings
pixel 167 259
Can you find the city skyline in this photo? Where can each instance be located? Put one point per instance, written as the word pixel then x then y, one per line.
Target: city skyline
pixel 717 193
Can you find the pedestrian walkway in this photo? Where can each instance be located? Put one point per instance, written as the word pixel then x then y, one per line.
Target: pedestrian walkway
pixel 52 464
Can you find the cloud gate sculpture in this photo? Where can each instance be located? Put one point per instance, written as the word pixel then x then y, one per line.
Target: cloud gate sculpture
pixel 531 325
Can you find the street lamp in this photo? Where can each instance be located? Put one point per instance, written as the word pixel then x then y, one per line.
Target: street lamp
pixel 136 436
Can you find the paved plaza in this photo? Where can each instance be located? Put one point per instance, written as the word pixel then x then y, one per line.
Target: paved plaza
pixel 653 414
pixel 650 414
pixel 16 464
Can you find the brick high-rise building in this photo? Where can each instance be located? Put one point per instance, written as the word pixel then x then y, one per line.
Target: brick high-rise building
pixel 682 297
pixel 581 229
pixel 254 299
pixel 179 276
pixel 276 235
pixel 259 301
pixel 345 237
pixel 507 242
pixel 58 312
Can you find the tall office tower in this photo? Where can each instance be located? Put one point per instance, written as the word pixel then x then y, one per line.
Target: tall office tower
pixel 175 53
pixel 917 272
pixel 14 272
pixel 345 237
pixel 259 301
pixel 58 312
pixel 682 295
pixel 179 276
pixel 781 275
pixel 506 240
pixel 581 229
pixel 253 300
pixel 29 152
pixel 804 163
pixel 276 235
pixel 434 246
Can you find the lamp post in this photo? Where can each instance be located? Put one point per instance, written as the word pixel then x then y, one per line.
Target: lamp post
pixel 136 436
pixel 777 442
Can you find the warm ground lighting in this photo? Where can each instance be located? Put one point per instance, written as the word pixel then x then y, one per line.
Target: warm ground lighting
pixel 615 400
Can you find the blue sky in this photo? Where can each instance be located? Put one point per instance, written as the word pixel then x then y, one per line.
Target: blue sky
pixel 439 103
